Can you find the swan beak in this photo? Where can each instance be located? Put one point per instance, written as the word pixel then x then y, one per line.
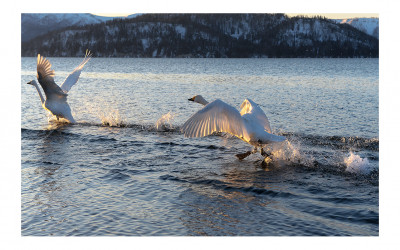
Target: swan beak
pixel 29 82
pixel 191 99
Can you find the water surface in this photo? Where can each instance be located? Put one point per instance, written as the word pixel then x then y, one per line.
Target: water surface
pixel 117 173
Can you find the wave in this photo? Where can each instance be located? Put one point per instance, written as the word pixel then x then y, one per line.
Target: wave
pixel 343 143
pixel 349 156
pixel 261 191
pixel 165 125
pixel 32 134
pixel 217 184
pixel 336 142
pixel 35 133
pixel 296 141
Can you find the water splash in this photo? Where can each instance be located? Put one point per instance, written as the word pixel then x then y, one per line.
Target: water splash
pixel 53 121
pixel 288 152
pixel 165 122
pixel 111 118
pixel 355 164
pixel 97 108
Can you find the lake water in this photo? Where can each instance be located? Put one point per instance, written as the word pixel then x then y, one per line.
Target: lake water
pixel 116 172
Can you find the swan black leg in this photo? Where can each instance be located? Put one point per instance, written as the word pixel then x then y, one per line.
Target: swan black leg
pixel 267 158
pixel 244 155
pixel 265 154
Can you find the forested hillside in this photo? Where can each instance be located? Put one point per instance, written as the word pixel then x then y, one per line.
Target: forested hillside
pixel 208 35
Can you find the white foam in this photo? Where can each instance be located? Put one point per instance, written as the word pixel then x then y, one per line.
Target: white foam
pixel 356 164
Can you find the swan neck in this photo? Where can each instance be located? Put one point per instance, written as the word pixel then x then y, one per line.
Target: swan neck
pixel 201 100
pixel 204 102
pixel 38 90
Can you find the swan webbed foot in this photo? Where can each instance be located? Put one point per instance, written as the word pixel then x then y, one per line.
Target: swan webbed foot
pixel 266 162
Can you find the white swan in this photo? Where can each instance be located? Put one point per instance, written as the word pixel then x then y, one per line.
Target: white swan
pixel 250 125
pixel 56 97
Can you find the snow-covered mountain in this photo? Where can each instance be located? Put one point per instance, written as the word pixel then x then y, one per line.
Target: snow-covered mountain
pixel 36 24
pixel 208 35
pixel 367 25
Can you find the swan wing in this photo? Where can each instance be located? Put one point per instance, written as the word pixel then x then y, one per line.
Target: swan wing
pixel 45 76
pixel 74 76
pixel 254 114
pixel 216 116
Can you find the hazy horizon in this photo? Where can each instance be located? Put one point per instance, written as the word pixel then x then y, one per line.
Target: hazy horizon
pixel 327 15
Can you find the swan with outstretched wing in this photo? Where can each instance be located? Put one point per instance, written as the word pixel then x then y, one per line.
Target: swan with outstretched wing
pixel 55 100
pixel 250 124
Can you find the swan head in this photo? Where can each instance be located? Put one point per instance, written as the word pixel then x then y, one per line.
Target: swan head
pixel 198 99
pixel 33 82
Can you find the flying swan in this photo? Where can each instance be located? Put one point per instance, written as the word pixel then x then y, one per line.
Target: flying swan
pixel 56 97
pixel 250 125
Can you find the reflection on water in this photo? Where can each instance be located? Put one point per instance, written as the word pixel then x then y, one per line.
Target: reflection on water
pixel 215 206
pixel 50 194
